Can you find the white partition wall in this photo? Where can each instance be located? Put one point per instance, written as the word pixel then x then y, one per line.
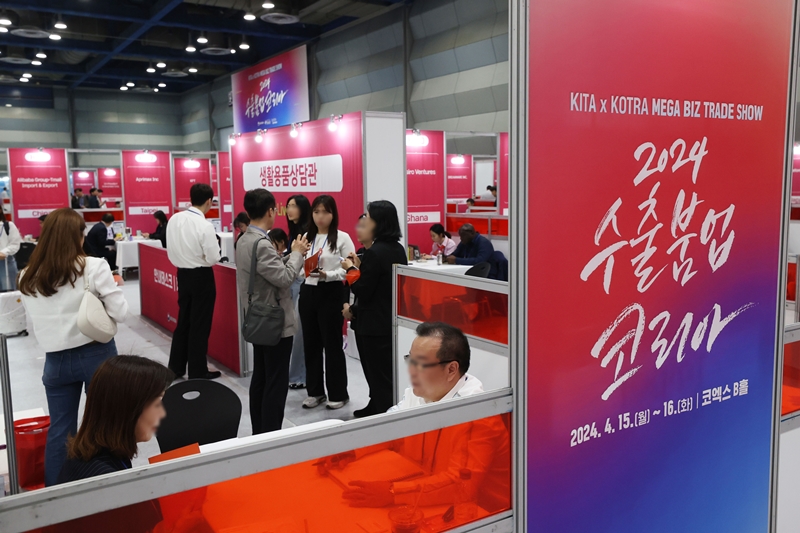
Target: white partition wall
pixel 385 161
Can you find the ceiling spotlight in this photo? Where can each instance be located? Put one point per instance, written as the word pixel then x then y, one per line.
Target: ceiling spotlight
pixel 41 55
pixel 202 39
pixel 8 105
pixel 109 172
pixel 123 88
pixel 193 69
pixel 267 5
pixel 24 80
pixel 294 133
pixel 155 89
pixel 27 75
pixel 60 24
pixel 83 174
pixel 4 19
pixel 249 16
pixel 190 47
pixel 36 63
pixel 243 45
pixel 150 68
pixel 130 84
pixel 233 50
pixel 333 126
pixel 3 29
pixel 55 37
pixel 191 163
pixel 162 84
pixel 232 139
pixel 161 64
pixel 259 136
pixel 457 160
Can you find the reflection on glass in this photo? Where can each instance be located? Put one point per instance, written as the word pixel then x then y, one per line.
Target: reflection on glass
pixel 791 378
pixel 416 484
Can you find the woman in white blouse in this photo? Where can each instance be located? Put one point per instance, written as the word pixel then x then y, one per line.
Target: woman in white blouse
pixel 442 243
pixel 52 287
pixel 321 299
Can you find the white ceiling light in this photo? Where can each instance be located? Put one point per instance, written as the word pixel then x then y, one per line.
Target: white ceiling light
pixel 161 64
pixel 55 37
pixel 130 84
pixel 150 68
pixel 232 139
pixel 109 172
pixel 3 29
pixel 41 55
pixel 27 75
pixel 60 24
pixel 83 174
pixel 294 133
pixel 123 88
pixel 334 123
pixel 233 50
pixel 162 84
pixel 193 69
pixel 259 137
pixel 190 47
pixel 191 163
pixel 243 45
pixel 36 63
pixel 8 105
pixel 416 139
pixel 267 5
pixel 146 157
pixel 202 39
pixel 4 20
pixel 37 157
pixel 457 160
pixel 155 89
pixel 249 16
pixel 24 80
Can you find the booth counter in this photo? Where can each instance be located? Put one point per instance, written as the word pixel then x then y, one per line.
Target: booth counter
pixel 92 216
pixel 158 286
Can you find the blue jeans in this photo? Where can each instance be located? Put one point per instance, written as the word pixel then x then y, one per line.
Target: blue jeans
pixel 64 374
pixel 297 364
pixel 11 264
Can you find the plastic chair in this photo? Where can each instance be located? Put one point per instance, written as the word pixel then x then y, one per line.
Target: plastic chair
pixel 481 270
pixel 198 411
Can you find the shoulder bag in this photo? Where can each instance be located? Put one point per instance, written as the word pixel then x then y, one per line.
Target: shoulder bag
pixel 93 321
pixel 263 323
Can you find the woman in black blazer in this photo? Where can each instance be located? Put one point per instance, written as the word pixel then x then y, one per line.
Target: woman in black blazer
pixel 370 280
pixel 160 234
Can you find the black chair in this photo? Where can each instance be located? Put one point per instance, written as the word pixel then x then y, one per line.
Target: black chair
pixel 481 270
pixel 198 411
pixel 24 254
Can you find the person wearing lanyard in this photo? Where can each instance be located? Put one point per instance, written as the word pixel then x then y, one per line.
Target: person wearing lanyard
pixel 298 218
pixel 321 299
pixel 193 249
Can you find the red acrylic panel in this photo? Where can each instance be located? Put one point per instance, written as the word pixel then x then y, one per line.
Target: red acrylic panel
pixel 500 227
pixel 476 312
pixel 455 222
pixel 310 497
pixel 791 378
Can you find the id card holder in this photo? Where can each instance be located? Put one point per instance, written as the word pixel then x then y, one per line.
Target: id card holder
pixel 310 265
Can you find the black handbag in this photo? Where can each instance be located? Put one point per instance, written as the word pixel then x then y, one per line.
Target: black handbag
pixel 263 323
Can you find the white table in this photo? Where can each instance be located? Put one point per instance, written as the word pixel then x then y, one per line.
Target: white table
pixel 128 252
pixel 226 240
pixel 431 266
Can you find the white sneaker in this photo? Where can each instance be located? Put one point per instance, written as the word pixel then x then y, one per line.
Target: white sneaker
pixel 313 401
pixel 337 405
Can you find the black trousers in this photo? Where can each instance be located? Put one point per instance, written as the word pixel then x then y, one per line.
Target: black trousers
pixel 197 293
pixel 376 360
pixel 321 316
pixel 269 385
pixel 111 257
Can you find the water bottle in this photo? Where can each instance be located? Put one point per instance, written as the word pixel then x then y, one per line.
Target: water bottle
pixel 465 507
pixel 439 258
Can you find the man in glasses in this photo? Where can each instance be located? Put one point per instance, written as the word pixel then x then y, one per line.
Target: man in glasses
pixel 437 366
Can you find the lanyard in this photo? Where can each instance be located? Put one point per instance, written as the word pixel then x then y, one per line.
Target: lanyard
pixel 192 212
pixel 321 247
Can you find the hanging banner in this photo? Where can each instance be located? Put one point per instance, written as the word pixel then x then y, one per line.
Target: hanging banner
pixel 38 185
pixel 110 181
pixel 272 93
pixel 189 171
pixel 502 188
pixel 83 179
pixel 657 149
pixel 147 187
pixel 225 199
pixel 459 176
pixel 317 161
pixel 424 185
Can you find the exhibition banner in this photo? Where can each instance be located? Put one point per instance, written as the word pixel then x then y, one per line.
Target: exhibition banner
pixel 38 185
pixel 459 177
pixel 316 161
pixel 272 93
pixel 502 187
pixel 83 179
pixel 189 171
pixel 147 187
pixel 159 297
pixel 110 181
pixel 424 185
pixel 225 199
pixel 657 155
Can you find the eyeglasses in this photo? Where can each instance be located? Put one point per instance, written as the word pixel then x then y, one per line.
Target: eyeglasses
pixel 417 364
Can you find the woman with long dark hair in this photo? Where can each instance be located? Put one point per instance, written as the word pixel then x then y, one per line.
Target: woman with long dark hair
pixel 160 234
pixel 321 299
pixel 371 282
pixel 52 287
pixel 298 216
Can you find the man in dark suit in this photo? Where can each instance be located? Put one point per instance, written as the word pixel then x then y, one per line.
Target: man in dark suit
pixel 474 248
pixel 77 199
pixel 97 241
pixel 94 201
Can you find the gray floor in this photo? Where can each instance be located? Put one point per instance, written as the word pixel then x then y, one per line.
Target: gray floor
pixel 141 337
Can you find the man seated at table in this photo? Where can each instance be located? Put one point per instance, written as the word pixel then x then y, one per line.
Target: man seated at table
pixel 98 240
pixel 437 366
pixel 474 248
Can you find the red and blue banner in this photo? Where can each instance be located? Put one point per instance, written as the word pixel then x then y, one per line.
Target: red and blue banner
pixel 424 185
pixel 657 157
pixel 272 93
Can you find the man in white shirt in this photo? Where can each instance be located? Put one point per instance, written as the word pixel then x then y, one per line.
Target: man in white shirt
pixel 10 239
pixel 193 249
pixel 437 366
